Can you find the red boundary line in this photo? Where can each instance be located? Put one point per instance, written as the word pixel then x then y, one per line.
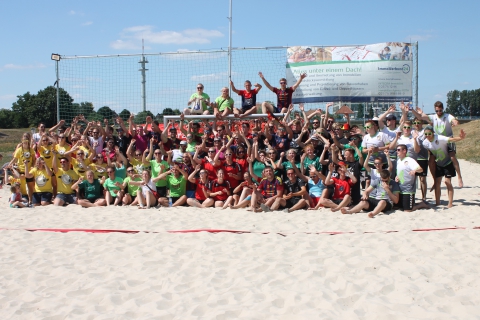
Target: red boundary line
pixel 225 231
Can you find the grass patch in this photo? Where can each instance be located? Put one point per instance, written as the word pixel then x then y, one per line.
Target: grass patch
pixel 9 139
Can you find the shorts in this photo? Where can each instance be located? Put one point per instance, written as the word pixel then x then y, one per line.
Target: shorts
pixel 190 194
pixel 39 197
pixel 243 110
pixel 315 201
pixel 94 199
pixel 373 203
pixel 424 165
pixel 337 201
pixel 30 180
pixel 292 201
pixel 67 198
pixel 406 201
pixel 448 171
pixel 330 191
pixel 451 147
pixel 162 191
pixel 175 199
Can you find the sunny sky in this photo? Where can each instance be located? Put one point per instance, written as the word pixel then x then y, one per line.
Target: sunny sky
pixel 32 30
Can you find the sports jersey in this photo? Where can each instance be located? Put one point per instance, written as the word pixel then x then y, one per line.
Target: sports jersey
pixel 176 185
pixel 216 186
pixel 65 179
pixel 131 189
pixel 423 154
pixel 377 140
pixel 284 97
pixel 342 188
pixel 111 187
pixel 315 162
pixel 211 169
pixel 281 143
pixel 442 125
pixel 406 181
pixel 233 168
pixel 46 153
pixel 408 141
pixel 379 192
pixel 138 165
pixel 249 99
pixel 270 188
pixel 439 148
pixel 80 167
pixel 201 188
pixel 293 187
pixel 43 182
pixel 156 171
pixel 98 170
pixel 391 134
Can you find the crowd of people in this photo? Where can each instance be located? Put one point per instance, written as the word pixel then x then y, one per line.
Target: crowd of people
pixel 293 163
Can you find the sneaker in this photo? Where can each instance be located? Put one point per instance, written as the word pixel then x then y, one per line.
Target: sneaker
pixel 264 207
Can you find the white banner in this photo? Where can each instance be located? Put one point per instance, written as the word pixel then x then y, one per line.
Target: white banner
pixel 377 72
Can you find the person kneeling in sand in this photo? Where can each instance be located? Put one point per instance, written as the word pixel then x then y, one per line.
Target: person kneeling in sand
pixel 341 195
pixel 378 197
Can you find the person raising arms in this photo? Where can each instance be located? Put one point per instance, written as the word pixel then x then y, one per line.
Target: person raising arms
pixel 284 94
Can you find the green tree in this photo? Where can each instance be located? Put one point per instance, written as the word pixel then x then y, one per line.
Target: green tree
pixel 168 112
pixel 105 113
pixel 124 115
pixel 6 118
pixel 140 117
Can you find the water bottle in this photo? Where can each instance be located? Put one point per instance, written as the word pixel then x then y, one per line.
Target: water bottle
pixel 170 203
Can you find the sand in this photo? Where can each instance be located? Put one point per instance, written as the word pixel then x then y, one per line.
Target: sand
pixel 286 268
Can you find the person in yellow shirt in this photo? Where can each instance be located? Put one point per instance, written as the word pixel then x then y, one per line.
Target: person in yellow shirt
pixel 42 175
pixel 23 152
pixel 62 148
pixel 65 177
pixel 80 164
pixel 98 167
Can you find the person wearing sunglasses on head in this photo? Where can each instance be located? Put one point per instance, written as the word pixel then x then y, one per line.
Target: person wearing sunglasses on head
pixel 442 123
pixel 284 94
pixel 438 146
pixel 199 102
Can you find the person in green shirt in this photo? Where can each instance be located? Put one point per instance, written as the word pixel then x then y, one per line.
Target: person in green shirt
pixel 130 197
pixel 223 105
pixel 309 159
pixel 91 190
pixel 198 102
pixel 114 187
pixel 176 180
pixel 158 167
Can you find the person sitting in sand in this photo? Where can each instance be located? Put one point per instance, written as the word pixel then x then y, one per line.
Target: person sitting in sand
pixel 114 187
pixel 176 180
pixel 270 192
pixel 294 193
pixel 146 187
pixel 16 199
pixel 201 200
pixel 341 196
pixel 220 189
pixel 130 197
pixel 65 177
pixel 378 197
pixel 90 190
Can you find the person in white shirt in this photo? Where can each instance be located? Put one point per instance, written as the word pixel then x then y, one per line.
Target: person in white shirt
pixel 438 146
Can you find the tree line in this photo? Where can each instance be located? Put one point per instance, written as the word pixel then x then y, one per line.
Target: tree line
pixel 31 109
pixel 464 103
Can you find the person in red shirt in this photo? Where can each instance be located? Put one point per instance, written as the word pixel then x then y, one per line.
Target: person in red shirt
pixel 208 163
pixel 249 99
pixel 341 195
pixel 201 199
pixel 219 189
pixel 284 95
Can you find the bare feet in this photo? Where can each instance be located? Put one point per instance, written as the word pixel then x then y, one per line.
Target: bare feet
pixel 345 211
pixel 335 209
pixel 371 215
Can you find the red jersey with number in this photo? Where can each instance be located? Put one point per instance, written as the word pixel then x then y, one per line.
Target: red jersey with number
pixel 216 186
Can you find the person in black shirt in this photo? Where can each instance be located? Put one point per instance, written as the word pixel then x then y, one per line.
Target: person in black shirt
pixel 354 168
pixel 294 191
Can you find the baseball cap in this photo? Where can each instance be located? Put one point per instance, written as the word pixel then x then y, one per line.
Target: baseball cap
pixel 341 163
pixel 391 116
pixel 346 126
pixel 183 142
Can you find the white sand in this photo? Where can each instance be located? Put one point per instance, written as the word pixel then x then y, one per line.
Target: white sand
pixel 407 274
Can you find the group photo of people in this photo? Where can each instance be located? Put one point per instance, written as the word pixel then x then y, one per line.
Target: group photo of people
pixel 289 163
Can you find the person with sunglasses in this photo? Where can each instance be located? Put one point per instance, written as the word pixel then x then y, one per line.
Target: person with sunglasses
pixel 65 177
pixel 80 164
pixel 135 157
pixel 375 141
pixel 380 196
pixel 130 197
pixel 249 99
pixel 176 180
pixel 42 130
pixel 223 105
pixel 342 184
pixel 407 168
pixel 378 166
pixel 208 163
pixel 98 136
pixel 90 190
pixel 114 187
pixel 442 123
pixel 438 146
pixel 284 94
pixel 158 166
pixel 199 102
pixel 201 199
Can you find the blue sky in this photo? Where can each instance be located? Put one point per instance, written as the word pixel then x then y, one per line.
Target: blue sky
pixel 32 30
